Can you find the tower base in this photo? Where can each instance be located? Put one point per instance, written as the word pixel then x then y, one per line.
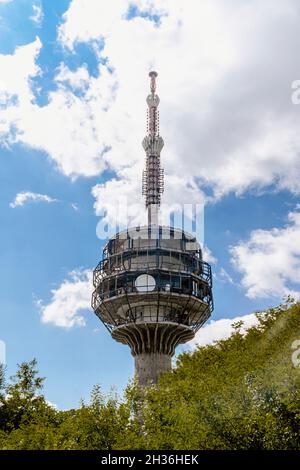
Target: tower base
pixel 149 367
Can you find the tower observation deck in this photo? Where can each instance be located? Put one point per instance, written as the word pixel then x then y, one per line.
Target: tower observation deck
pixel 153 290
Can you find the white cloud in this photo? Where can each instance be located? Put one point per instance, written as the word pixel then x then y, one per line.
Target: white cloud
pixel 97 19
pixel 243 150
pixel 119 200
pixel 53 405
pixel 15 89
pixel 208 256
pixel 224 80
pixel 64 127
pixel 216 330
pixel 269 260
pixel 5 1
pixel 78 80
pixel 69 300
pixel 223 276
pixel 27 196
pixel 38 14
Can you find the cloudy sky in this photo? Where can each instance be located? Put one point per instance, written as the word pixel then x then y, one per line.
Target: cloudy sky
pixel 73 83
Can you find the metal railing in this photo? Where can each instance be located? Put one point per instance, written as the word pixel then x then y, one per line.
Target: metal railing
pixel 205 295
pixel 161 313
pixel 146 262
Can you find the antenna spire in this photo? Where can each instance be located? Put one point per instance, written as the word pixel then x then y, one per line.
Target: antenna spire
pixel 153 175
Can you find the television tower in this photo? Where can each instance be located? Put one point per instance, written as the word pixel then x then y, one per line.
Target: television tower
pixel 153 290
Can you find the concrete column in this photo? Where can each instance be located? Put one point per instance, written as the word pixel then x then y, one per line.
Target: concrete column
pixel 149 366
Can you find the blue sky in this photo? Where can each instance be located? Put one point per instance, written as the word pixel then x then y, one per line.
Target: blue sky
pixel 73 82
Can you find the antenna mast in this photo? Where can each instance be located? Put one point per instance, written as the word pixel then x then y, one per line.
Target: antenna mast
pixel 153 175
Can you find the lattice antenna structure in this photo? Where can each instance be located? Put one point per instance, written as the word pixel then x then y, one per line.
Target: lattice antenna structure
pixel 153 175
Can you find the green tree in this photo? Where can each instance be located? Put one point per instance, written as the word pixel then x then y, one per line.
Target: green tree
pixel 2 379
pixel 96 425
pixel 238 393
pixel 23 410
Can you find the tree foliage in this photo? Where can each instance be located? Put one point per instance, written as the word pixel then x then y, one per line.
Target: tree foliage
pixel 239 393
